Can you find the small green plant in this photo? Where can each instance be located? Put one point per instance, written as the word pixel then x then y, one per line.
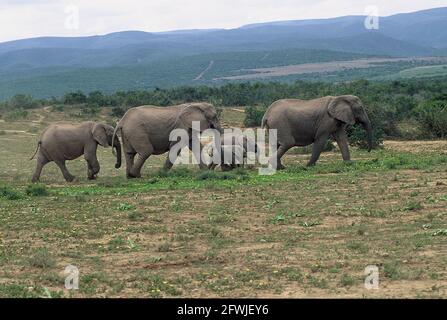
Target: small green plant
pixel 117 243
pixel 317 283
pixel 37 190
pixel 135 216
pixel 164 247
pixel 42 258
pixel 413 206
pixel 310 224
pixel 346 280
pixel 212 175
pixel 124 206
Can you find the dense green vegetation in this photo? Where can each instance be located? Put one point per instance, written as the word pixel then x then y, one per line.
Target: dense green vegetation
pixel 420 104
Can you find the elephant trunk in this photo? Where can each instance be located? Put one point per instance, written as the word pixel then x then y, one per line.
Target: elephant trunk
pixel 366 123
pixel 117 148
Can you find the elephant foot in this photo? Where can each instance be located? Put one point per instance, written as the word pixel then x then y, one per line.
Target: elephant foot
pixel 226 168
pixel 35 180
pixel 348 162
pixel 91 178
pixel 311 164
pixel 131 176
pixel 281 167
pixel 203 166
pixel 70 178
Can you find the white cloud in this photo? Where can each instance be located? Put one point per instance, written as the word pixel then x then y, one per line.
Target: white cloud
pixel 32 18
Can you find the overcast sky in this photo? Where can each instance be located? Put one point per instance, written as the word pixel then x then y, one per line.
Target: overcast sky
pixel 31 18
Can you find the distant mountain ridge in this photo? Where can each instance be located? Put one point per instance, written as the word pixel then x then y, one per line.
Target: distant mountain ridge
pixel 422 33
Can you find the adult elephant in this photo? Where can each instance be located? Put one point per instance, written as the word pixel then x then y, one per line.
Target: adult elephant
pixel 303 122
pixel 61 142
pixel 145 131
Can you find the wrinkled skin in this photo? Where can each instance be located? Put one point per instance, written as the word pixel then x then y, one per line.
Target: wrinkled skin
pixel 303 122
pixel 62 142
pixel 234 150
pixel 145 131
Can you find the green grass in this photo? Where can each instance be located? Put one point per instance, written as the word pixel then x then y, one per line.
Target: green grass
pixel 303 232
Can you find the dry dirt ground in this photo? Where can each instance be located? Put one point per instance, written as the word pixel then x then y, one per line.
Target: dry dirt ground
pixel 299 233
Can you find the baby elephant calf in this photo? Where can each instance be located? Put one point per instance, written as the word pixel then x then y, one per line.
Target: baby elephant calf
pixel 61 142
pixel 234 149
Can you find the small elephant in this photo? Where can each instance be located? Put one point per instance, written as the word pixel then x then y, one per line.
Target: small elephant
pixel 234 151
pixel 61 142
pixel 145 131
pixel 303 122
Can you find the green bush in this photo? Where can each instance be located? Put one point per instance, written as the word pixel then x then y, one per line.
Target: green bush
pixel 21 101
pixel 42 258
pixel 10 194
pixel 357 137
pixel 37 190
pixel 118 112
pixel 57 107
pixel 433 117
pixel 90 109
pixel 16 115
pixel 253 116
pixel 77 97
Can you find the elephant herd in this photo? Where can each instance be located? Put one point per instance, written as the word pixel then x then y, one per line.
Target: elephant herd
pixel 146 130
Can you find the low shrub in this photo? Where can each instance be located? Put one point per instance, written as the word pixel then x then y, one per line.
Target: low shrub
pixel 37 190
pixel 253 116
pixel 10 194
pixel 433 117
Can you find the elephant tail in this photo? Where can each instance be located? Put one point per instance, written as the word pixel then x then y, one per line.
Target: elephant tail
pixel 37 149
pixel 264 124
pixel 118 127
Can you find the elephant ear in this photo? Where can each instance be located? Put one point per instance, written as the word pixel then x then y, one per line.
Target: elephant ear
pixel 100 135
pixel 340 109
pixel 192 113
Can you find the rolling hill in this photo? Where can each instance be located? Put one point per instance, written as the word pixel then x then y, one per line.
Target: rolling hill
pixel 128 60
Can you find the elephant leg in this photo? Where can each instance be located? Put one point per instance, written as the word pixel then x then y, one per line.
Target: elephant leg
pixel 317 148
pixel 129 154
pixel 67 176
pixel 202 165
pixel 92 161
pixel 342 141
pixel 135 172
pixel 130 159
pixel 41 162
pixel 282 149
pixel 93 167
pixel 168 163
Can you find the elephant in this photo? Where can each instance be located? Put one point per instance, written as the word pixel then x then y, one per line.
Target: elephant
pixel 303 122
pixel 146 130
pixel 234 150
pixel 61 142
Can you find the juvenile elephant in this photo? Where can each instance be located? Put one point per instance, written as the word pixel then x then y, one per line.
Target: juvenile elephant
pixel 303 122
pixel 61 142
pixel 145 131
pixel 234 151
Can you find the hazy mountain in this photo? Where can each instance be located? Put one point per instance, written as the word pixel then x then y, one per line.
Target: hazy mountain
pixel 49 59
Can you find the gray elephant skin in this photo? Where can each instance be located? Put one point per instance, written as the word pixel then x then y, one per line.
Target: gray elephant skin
pixel 62 142
pixel 145 131
pixel 303 122
pixel 234 149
